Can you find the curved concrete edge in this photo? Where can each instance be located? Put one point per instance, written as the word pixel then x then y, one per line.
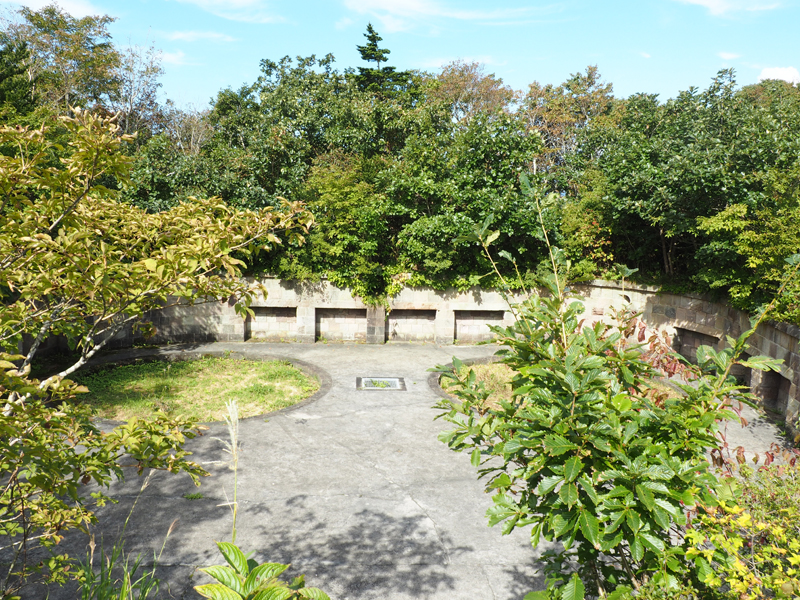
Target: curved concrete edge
pixel 177 354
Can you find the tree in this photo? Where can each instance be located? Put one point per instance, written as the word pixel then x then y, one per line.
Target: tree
pixel 384 81
pixel 189 128
pixel 77 262
pixel 370 51
pixel 468 90
pixel 559 113
pixel 16 89
pixel 691 157
pixel 72 61
pixel 136 95
pixel 590 453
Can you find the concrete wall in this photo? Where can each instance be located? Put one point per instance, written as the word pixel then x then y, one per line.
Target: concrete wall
pixel 695 320
pixel 308 312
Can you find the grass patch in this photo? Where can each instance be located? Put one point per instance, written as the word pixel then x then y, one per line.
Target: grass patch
pixel 195 389
pixel 496 378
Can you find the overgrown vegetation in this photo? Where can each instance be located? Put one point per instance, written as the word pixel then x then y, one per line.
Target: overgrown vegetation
pixel 75 261
pixel 587 452
pixel 405 172
pixel 697 192
pixel 197 389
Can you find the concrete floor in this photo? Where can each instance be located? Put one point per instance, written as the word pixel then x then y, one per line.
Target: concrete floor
pixel 353 488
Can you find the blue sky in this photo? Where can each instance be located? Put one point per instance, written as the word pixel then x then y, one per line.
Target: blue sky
pixel 655 46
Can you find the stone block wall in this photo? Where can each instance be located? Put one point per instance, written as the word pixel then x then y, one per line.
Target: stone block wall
pixel 471 326
pixel 341 324
pixel 694 320
pixel 410 326
pixel 272 323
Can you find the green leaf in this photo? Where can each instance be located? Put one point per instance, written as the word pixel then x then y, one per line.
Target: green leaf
pixel 503 508
pixel 548 484
pixel 568 494
pixel 622 402
pixel 622 591
pixel 261 574
pixel 540 595
pixel 217 591
pixel 630 430
pixel 505 254
pixel 574 590
pixel 475 458
pixel 590 527
pixel 234 557
pixel 502 480
pixel 492 237
pixel 587 486
pixel 645 496
pixel 313 593
pixel 669 507
pixel 150 264
pixel 793 260
pixel 559 524
pixel 634 521
pixel 227 577
pixel 600 443
pixel 703 569
pixel 611 542
pixel 274 593
pixel 572 468
pixel 652 542
pixel 636 548
pixel 557 445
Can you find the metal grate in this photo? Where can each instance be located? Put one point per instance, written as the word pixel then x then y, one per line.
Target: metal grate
pixel 380 383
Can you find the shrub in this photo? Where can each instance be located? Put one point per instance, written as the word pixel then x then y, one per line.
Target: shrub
pixel 589 452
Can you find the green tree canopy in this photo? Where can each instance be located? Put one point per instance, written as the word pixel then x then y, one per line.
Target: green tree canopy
pixel 72 61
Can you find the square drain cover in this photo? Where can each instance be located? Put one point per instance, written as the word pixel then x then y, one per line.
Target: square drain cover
pixel 380 383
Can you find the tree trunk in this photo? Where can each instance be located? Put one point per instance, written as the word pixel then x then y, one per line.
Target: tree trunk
pixel 665 252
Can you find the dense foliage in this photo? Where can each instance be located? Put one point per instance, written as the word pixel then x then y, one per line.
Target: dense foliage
pixel 77 262
pixel 697 192
pixel 591 453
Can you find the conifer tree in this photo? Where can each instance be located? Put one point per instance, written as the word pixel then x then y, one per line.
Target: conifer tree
pixel 370 51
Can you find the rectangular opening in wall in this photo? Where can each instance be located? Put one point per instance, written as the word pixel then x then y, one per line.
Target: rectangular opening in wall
pixel 742 374
pixel 774 393
pixel 272 323
pixel 340 324
pixel 410 326
pixel 473 325
pixel 687 342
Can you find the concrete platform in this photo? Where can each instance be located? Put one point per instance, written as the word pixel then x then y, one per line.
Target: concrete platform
pixel 352 488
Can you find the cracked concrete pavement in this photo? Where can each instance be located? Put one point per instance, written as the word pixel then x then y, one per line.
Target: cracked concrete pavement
pixel 353 488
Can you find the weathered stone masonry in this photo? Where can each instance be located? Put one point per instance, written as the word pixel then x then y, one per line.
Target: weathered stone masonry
pixel 301 312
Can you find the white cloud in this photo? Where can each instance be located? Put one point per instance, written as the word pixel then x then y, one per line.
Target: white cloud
pixel 728 55
pixel 644 55
pixel 398 15
pixel 344 23
pixel 194 36
pixel 252 11
pixel 175 58
pixel 721 7
pixel 790 74
pixel 76 8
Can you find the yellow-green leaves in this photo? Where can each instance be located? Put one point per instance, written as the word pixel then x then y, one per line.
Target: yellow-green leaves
pixel 246 580
pixel 85 265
